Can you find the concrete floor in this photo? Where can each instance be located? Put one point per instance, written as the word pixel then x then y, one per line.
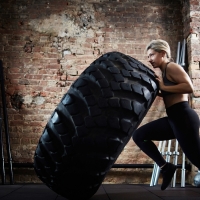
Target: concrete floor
pixel 105 192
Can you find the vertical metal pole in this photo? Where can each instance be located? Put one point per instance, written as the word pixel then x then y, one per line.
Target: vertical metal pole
pixel 3 176
pixel 183 171
pixel 5 117
pixel 153 174
pixel 168 152
pixel 178 53
pixel 183 156
pixel 175 161
pixel 156 175
pixel 183 54
pixel 158 168
pixel 155 167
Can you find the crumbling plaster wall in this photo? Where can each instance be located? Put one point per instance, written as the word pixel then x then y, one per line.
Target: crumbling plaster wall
pixel 45 46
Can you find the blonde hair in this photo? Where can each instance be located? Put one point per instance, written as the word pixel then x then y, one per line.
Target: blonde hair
pixel 160 45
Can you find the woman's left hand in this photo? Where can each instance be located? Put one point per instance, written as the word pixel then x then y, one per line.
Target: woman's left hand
pixel 160 81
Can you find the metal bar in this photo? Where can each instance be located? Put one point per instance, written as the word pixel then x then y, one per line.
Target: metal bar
pixel 5 117
pixel 175 161
pixel 183 156
pixel 168 153
pixel 183 54
pixel 158 168
pixel 31 165
pixel 178 52
pixel 132 166
pixel 2 155
pixel 180 56
pixel 183 171
pixel 187 166
pixel 155 168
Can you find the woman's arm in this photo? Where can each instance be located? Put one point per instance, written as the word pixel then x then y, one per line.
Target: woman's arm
pixel 176 74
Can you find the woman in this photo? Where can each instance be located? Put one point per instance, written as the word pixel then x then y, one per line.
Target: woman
pixel 181 122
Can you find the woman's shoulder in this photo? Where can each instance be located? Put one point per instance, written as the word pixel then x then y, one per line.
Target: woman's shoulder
pixel 174 71
pixel 172 66
pixel 171 63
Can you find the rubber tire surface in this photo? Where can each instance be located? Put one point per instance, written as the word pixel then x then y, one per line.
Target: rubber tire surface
pixel 92 123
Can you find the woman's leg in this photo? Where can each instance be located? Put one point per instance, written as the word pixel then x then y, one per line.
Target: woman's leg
pixel 186 130
pixel 157 130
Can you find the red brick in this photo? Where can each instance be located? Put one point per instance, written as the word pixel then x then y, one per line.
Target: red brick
pixel 16 43
pixel 71 78
pixel 25 141
pixel 53 89
pixel 18 117
pixel 54 66
pixel 126 27
pixel 17 123
pixel 52 55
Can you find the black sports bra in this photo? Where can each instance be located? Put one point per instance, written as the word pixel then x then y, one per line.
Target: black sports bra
pixel 166 82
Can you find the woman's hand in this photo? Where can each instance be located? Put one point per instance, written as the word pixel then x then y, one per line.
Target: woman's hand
pixel 160 81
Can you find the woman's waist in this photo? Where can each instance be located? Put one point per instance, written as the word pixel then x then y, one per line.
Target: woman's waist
pixel 178 109
pixel 173 99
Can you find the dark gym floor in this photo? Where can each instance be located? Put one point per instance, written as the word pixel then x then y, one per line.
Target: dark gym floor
pixel 105 192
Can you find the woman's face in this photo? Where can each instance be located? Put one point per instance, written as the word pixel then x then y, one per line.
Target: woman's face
pixel 155 58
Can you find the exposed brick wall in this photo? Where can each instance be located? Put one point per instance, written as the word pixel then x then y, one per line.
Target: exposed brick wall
pixel 45 46
pixel 191 16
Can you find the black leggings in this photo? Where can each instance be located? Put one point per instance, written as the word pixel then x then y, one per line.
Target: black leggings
pixel 182 123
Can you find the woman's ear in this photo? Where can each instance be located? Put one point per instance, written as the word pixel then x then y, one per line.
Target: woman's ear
pixel 163 53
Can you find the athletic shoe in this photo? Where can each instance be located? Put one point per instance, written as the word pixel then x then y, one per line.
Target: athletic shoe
pixel 167 173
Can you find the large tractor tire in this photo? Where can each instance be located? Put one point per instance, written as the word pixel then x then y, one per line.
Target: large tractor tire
pixel 92 123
